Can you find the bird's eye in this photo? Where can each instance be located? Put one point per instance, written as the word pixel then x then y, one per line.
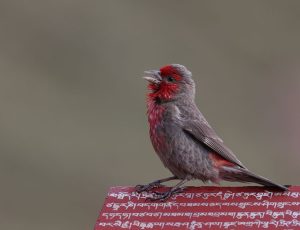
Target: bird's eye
pixel 170 79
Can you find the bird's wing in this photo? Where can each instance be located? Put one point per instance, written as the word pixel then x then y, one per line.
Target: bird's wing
pixel 201 131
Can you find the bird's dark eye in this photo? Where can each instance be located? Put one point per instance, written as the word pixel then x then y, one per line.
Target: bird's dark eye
pixel 170 79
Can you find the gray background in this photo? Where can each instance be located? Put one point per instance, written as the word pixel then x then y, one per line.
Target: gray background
pixel 72 118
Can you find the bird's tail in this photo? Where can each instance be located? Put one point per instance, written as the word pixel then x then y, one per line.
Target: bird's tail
pixel 244 175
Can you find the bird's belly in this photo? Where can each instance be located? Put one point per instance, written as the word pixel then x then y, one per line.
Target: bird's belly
pixel 182 155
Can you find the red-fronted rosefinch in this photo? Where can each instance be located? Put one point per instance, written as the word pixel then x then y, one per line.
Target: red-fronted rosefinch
pixel 184 141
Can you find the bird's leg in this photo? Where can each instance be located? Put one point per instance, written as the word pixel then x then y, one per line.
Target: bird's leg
pixel 163 196
pixel 157 183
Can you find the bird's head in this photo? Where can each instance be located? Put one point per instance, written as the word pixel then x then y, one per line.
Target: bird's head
pixel 170 83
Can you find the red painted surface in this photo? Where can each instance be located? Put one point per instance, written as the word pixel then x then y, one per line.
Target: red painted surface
pixel 202 208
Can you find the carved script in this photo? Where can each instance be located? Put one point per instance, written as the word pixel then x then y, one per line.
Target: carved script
pixel 203 208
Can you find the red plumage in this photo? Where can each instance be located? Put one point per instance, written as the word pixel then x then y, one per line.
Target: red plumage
pixel 185 142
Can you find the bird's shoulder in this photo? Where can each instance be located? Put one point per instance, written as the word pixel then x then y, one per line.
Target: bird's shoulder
pixel 191 115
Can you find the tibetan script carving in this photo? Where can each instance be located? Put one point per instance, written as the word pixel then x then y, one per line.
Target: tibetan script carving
pixel 203 208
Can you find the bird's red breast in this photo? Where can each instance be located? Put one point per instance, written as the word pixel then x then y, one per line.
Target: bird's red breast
pixel 155 114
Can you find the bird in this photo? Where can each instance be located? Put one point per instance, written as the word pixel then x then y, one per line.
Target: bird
pixel 183 139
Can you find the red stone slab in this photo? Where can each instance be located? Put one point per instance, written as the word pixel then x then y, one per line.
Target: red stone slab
pixel 202 208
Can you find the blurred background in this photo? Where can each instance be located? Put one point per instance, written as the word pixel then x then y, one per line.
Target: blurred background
pixel 73 115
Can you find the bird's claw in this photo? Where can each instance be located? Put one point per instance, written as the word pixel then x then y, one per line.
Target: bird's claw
pixel 163 196
pixel 146 188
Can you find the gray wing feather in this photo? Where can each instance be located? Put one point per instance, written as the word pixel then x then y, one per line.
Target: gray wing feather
pixel 201 131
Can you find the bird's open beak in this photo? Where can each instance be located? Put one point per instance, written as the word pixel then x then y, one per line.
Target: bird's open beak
pixel 153 76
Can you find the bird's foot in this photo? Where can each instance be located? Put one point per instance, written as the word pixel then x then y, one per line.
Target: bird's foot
pixel 163 196
pixel 146 188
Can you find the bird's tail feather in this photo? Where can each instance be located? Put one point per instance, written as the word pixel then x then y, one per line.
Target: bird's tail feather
pixel 244 175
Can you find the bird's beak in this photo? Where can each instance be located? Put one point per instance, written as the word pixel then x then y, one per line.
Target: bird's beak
pixel 153 76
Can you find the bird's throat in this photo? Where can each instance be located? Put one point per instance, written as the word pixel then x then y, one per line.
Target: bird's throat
pixel 155 111
pixel 157 100
pixel 162 93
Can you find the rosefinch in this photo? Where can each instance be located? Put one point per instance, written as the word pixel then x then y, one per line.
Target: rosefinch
pixel 184 141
